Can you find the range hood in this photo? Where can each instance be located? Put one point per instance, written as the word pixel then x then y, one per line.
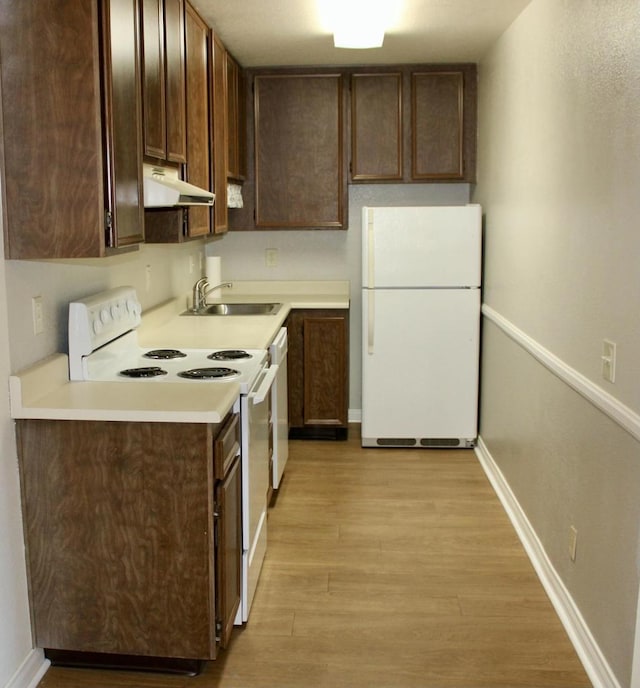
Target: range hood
pixel 163 189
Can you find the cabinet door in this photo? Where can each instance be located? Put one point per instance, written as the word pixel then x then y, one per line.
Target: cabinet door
pixel 153 80
pixel 163 80
pixel 58 205
pixel 120 547
pixel 198 169
pixel 325 368
pixel 318 373
pixel 219 129
pixel 376 127
pixel 228 551
pixel 437 116
pixel 122 123
pixel 299 125
pixel 174 21
pixel 235 120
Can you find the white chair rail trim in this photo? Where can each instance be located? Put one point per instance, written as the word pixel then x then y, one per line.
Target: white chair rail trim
pixel 608 404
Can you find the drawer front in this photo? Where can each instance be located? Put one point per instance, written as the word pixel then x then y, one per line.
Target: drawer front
pixel 226 446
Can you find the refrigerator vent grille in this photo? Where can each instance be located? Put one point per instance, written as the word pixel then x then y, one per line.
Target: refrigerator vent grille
pixel 439 442
pixel 396 442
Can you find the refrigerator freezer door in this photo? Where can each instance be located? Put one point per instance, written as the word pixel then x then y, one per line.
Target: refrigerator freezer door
pixel 420 366
pixel 435 246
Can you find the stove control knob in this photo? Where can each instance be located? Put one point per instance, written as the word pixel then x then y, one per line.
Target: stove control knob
pixel 104 316
pixel 115 311
pixel 97 326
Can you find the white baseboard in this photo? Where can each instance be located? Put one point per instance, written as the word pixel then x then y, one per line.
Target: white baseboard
pixel 30 671
pixel 592 658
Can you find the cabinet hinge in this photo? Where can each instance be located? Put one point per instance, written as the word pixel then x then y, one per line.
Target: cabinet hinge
pixel 108 228
pixel 216 523
pixel 185 222
pixel 218 630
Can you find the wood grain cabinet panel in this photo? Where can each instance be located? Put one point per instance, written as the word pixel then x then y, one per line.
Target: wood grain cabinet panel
pixel 119 531
pixel 174 20
pixel 198 168
pixel 376 127
pixel 72 126
pixel 181 224
pixel 236 159
pixel 299 151
pixel 163 92
pixel 219 121
pixel 318 373
pixel 437 116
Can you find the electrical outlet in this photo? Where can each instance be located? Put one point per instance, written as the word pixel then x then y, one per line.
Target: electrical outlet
pixel 192 264
pixel 609 360
pixel 147 277
pixel 573 542
pixel 37 314
pixel 271 257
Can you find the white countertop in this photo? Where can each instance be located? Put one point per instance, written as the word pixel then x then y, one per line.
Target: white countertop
pixel 44 390
pixel 164 326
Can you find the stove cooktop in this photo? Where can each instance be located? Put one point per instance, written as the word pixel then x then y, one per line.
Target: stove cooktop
pixel 124 360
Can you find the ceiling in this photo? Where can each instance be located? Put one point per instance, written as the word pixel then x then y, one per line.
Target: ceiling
pixel 291 32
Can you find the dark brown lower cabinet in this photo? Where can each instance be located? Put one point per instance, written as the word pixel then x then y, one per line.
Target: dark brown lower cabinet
pixel 120 528
pixel 318 373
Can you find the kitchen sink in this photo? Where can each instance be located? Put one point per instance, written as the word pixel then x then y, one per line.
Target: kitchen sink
pixel 236 309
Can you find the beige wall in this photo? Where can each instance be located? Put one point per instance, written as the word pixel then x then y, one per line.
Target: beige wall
pixel 559 164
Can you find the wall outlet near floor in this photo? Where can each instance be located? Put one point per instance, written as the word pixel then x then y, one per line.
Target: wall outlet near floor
pixel 37 315
pixel 608 360
pixel 271 257
pixel 573 542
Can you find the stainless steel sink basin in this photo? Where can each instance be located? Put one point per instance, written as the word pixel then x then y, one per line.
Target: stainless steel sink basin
pixel 237 309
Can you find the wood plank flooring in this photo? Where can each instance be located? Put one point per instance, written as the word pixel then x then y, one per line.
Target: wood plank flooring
pixel 386 568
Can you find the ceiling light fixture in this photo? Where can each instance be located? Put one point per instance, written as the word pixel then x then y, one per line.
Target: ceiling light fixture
pixel 357 23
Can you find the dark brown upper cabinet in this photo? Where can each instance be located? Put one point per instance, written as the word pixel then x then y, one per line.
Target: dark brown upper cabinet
pixel 198 168
pixel 437 125
pixel 414 124
pixel 163 83
pixel 376 127
pixel 218 124
pixel 300 179
pixel 236 158
pixel 181 224
pixel 72 127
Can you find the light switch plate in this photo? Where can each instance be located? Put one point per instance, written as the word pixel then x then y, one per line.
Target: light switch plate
pixel 271 257
pixel 37 314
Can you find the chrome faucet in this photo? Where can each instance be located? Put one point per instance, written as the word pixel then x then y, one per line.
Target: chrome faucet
pixel 200 291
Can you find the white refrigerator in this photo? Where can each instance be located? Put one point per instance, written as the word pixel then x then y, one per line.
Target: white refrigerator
pixel 421 272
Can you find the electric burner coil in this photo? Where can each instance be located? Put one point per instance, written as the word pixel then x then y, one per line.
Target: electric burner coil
pixel 149 371
pixel 229 355
pixel 217 373
pixel 165 354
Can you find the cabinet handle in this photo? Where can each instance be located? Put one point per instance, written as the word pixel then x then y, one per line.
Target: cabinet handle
pixel 371 301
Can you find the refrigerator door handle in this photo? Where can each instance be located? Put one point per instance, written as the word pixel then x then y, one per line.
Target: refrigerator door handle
pixel 371 250
pixel 370 321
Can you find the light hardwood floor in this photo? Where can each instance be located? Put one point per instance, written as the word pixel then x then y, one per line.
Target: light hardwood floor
pixel 386 568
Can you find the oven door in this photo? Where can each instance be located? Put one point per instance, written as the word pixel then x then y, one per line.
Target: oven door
pixel 254 410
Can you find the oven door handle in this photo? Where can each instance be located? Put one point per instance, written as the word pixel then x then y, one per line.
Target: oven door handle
pixel 260 394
